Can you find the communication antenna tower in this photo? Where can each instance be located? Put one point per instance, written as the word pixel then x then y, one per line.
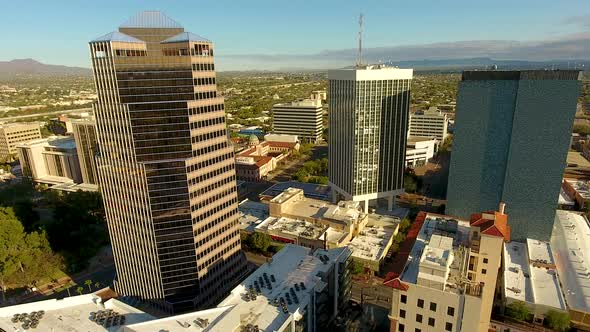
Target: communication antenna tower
pixel 359 61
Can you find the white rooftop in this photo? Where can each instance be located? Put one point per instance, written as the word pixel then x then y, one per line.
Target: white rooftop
pixel 292 227
pixel 70 314
pixel 441 231
pixel 371 243
pixel 252 214
pixel 570 244
pixel 528 275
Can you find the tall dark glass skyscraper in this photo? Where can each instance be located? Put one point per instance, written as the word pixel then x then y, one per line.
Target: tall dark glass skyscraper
pixel 368 124
pixel 511 141
pixel 165 165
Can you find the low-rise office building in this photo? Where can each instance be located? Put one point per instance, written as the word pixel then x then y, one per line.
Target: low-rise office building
pixel 302 118
pixel 419 150
pixel 570 245
pixel 529 276
pixel 430 123
pixel 13 134
pixel 446 273
pixel 51 160
pixel 291 217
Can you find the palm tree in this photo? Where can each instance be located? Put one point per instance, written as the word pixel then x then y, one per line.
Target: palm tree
pixel 79 290
pixel 96 285
pixel 88 283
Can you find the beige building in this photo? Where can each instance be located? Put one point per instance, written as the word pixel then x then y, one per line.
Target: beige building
pixel 302 118
pixel 50 161
pixel 290 217
pixel 430 123
pixel 165 165
pixel 447 281
pixel 12 134
pixel 86 143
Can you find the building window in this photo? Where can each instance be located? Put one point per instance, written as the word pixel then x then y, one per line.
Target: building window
pixel 402 313
pixel 417 330
pixel 432 306
pixel 448 326
pixel 431 321
pixel 484 271
pixel 419 318
pixel 420 303
pixel 404 299
pixel 485 260
pixel 451 311
pixel 402 328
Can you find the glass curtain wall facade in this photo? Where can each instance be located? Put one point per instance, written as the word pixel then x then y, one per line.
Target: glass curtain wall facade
pixel 368 124
pixel 165 165
pixel 510 145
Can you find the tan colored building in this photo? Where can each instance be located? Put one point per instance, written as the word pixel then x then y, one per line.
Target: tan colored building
pixel 12 134
pixel 165 165
pixel 84 131
pixel 51 161
pixel 302 118
pixel 447 279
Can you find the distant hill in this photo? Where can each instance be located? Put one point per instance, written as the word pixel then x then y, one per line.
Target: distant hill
pixel 482 63
pixel 33 67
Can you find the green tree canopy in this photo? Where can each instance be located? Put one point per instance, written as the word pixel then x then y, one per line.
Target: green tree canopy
pixel 558 321
pixel 259 241
pixel 517 310
pixel 24 258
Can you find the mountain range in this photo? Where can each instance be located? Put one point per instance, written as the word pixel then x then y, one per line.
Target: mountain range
pixel 33 67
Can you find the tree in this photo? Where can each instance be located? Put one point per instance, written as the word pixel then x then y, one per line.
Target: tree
pixel 11 246
pixel 24 258
pixel 517 310
pixel 356 268
pixel 79 290
pixel 259 241
pixel 97 285
pixel 558 321
pixel 404 225
pixel 89 284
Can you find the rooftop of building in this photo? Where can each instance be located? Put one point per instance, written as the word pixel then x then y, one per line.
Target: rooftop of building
pixel 73 187
pixel 151 20
pixel 311 190
pixel 11 125
pixel 304 103
pixel 565 199
pixel 371 242
pixel 485 75
pixel 293 227
pixel 525 280
pixel 72 314
pixel 570 242
pixel 252 214
pixel 431 111
pixel 447 231
pixel 412 140
pixel 293 265
pixel 60 142
pixel 575 159
pixel 582 187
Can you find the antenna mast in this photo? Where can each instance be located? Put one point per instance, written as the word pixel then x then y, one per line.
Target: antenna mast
pixel 360 54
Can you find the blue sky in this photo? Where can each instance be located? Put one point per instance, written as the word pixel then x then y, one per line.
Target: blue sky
pixel 57 31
